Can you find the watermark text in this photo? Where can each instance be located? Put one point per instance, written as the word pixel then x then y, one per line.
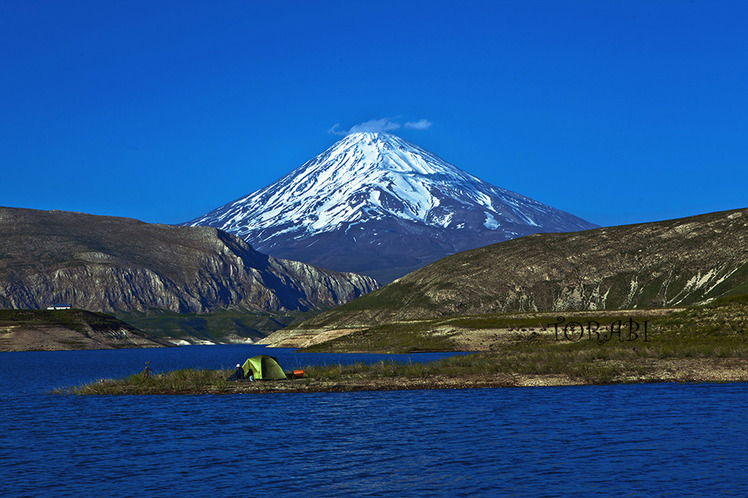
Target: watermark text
pixel 626 330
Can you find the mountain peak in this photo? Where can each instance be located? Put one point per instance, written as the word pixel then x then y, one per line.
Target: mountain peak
pixel 387 152
pixel 373 185
pixel 368 135
pixel 371 135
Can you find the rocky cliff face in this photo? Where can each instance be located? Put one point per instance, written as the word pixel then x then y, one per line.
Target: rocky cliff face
pixel 103 263
pixel 671 263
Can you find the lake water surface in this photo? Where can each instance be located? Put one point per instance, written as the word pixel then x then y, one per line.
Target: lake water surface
pixel 650 439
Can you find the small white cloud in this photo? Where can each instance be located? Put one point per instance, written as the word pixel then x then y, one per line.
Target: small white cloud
pixel 375 125
pixel 334 130
pixel 421 124
pixel 380 125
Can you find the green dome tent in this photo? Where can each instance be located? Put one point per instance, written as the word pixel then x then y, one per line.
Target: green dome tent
pixel 263 367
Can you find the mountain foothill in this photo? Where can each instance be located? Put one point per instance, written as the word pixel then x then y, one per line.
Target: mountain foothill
pixel 102 263
pixel 674 263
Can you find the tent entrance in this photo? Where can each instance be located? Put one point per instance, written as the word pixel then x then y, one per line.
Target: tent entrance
pixel 263 367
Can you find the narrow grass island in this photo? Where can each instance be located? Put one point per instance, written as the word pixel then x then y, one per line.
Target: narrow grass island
pixel 694 344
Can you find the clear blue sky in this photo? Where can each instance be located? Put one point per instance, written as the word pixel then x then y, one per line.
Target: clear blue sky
pixel 616 111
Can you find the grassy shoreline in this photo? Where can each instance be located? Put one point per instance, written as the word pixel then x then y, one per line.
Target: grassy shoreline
pixel 693 345
pixel 365 378
pixel 528 363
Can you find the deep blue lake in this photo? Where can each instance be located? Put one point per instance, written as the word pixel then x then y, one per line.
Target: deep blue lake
pixel 629 440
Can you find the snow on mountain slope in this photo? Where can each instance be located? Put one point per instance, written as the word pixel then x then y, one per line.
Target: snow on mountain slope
pixel 370 176
pixel 370 187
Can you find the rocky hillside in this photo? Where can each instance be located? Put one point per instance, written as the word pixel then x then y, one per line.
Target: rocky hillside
pixel 47 330
pixel 101 263
pixel 669 263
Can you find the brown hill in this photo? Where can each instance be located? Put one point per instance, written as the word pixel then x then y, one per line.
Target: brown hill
pixel 669 263
pixel 102 263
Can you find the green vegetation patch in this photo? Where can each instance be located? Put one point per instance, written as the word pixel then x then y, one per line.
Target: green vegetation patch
pixel 186 381
pixel 585 361
pixel 725 317
pixel 404 337
pixel 215 326
pixel 72 319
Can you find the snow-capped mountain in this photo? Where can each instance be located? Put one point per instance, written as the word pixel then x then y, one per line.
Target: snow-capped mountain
pixel 376 204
